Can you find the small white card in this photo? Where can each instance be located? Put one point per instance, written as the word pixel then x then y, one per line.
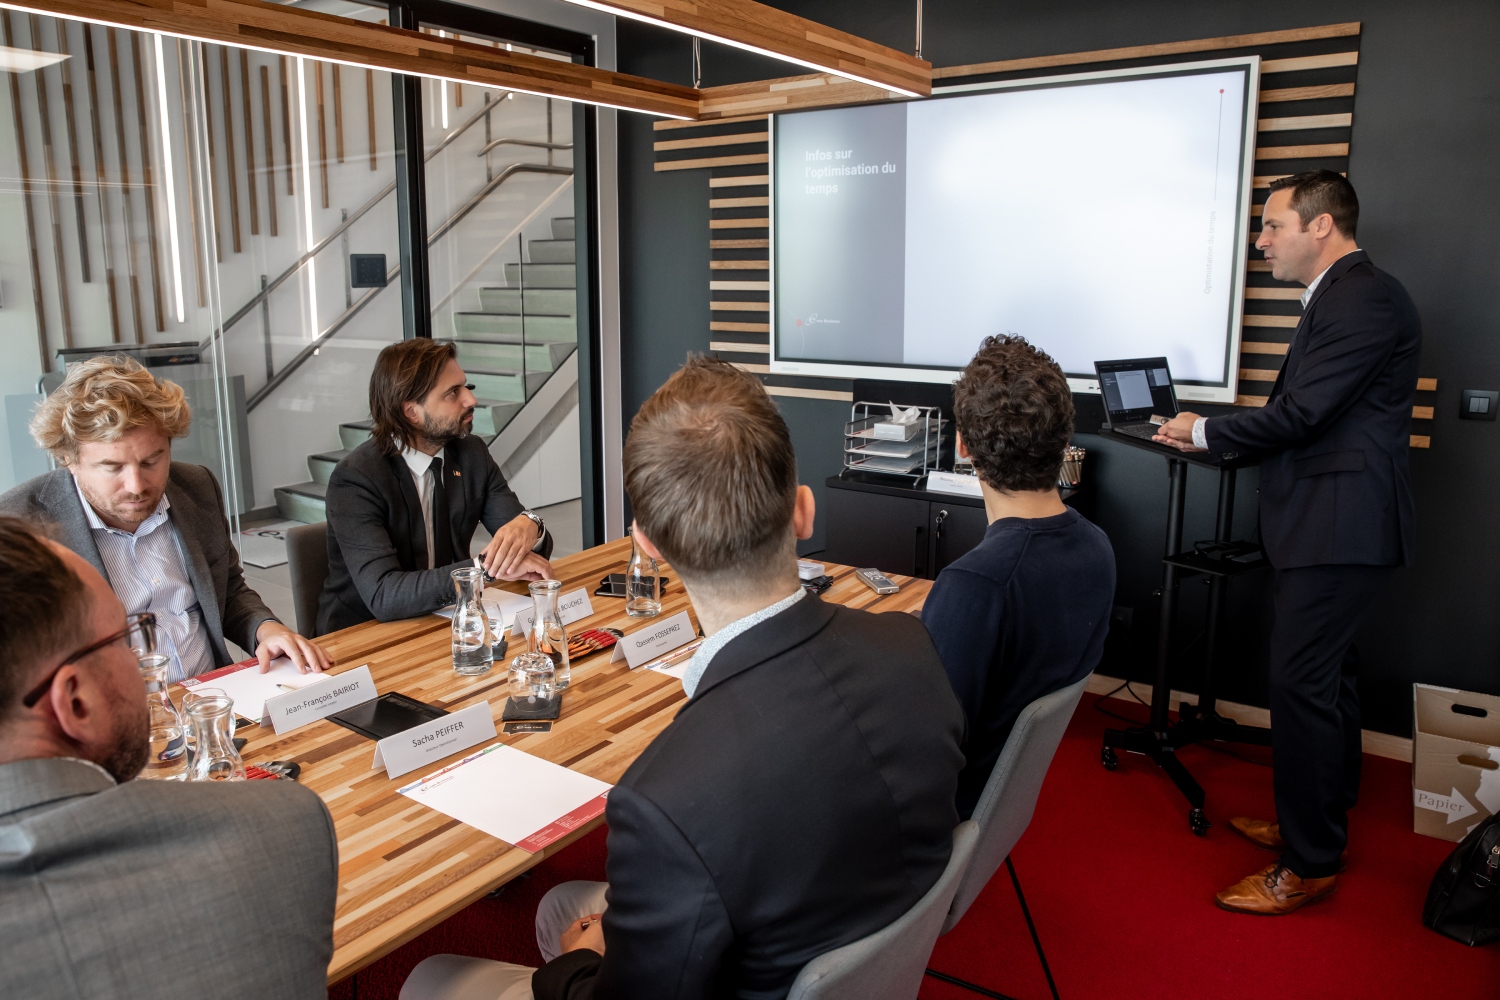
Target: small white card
pixel 296 709
pixel 952 482
pixel 655 639
pixel 432 741
pixel 574 606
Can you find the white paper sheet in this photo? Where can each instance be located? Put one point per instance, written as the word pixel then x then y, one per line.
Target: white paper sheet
pixel 250 688
pixel 501 605
pixel 509 794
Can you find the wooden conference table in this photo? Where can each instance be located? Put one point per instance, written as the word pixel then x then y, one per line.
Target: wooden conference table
pixel 403 867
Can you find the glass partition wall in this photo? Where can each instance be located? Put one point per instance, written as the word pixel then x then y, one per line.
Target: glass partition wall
pixel 229 218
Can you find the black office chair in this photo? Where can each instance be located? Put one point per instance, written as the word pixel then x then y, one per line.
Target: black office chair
pixel 307 561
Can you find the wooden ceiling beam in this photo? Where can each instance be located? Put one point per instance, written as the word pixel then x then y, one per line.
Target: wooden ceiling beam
pixel 758 28
pixel 295 31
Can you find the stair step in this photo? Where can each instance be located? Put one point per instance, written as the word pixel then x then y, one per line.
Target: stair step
pixel 321 466
pixel 505 386
pixel 539 301
pixel 550 251
pixel 487 326
pixel 563 229
pixel 542 275
pixel 491 416
pixel 304 502
pixel 355 433
pixel 492 355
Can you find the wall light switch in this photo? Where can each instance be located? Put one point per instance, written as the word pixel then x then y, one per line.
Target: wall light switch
pixel 1479 404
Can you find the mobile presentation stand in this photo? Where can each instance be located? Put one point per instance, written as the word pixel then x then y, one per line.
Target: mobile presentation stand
pixel 1219 560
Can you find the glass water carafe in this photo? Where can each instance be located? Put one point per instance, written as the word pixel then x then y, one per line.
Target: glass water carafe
pixel 547 634
pixel 642 583
pixel 215 758
pixel 168 759
pixel 473 641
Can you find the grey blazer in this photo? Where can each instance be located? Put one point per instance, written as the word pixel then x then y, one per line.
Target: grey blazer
pixel 162 889
pixel 230 608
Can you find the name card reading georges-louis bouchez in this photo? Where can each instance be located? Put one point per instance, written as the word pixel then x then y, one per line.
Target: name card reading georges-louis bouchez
pixel 318 701
pixel 654 640
pixel 573 606
pixel 432 741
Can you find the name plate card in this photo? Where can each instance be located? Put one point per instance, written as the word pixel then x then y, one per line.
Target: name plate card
pixel 650 642
pixel 574 606
pixel 296 709
pixel 949 482
pixel 432 741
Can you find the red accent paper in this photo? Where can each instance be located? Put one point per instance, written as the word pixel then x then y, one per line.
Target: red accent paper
pixel 560 828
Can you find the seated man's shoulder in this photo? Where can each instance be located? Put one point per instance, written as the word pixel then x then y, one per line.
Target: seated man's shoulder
pixel 29 499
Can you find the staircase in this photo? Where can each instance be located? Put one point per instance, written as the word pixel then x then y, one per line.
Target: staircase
pixel 520 335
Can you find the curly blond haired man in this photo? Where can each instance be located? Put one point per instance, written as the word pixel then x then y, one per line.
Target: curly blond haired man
pixel 153 527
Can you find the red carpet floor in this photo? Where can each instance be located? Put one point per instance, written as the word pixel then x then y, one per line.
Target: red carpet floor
pixel 1122 896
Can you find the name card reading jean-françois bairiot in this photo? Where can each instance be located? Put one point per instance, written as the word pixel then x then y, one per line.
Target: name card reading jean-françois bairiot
pixel 296 709
pixel 653 640
pixel 432 741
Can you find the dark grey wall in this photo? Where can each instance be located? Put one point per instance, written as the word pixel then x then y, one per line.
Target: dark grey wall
pixel 1425 148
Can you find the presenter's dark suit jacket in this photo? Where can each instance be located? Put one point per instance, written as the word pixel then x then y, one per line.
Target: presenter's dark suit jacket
pixel 229 607
pixel 1335 485
pixel 802 799
pixel 377 540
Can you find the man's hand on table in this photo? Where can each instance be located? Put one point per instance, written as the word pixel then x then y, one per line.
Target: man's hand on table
pixel 1178 433
pixel 585 932
pixel 509 554
pixel 275 639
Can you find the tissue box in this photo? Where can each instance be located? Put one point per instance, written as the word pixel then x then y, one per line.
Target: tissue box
pixel 1455 760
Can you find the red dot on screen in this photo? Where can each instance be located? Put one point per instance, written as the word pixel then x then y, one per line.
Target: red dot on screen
pixel 1221 90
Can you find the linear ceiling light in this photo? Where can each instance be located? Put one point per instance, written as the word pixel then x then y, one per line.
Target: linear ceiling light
pixel 24 60
pixel 837 44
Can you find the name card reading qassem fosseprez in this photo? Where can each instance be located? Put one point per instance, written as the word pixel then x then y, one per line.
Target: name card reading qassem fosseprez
pixel 296 709
pixel 432 741
pixel 653 640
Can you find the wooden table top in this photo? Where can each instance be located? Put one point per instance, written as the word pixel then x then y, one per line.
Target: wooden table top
pixel 403 867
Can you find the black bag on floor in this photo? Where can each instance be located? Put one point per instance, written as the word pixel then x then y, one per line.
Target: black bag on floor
pixel 1464 901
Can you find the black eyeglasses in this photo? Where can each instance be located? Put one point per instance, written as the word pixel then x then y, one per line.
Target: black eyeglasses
pixel 140 633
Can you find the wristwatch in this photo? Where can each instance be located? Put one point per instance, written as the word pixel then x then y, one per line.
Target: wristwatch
pixel 541 527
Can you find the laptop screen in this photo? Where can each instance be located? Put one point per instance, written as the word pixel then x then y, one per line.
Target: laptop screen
pixel 1136 388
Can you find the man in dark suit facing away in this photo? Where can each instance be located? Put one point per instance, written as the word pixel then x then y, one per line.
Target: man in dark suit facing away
pixel 1336 515
pixel 403 506
pixel 803 797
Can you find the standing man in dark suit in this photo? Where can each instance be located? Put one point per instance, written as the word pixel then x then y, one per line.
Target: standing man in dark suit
pixel 402 507
pixel 154 528
pixel 1336 515
pixel 802 798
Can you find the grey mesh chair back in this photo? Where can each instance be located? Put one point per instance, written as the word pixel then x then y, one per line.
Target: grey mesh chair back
pixel 888 965
pixel 307 561
pixel 1009 797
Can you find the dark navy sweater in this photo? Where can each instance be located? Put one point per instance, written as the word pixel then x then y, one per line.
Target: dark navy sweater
pixel 1023 614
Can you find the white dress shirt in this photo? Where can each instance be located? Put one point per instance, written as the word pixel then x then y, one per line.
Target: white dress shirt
pixel 1200 434
pixel 711 646
pixel 420 464
pixel 148 571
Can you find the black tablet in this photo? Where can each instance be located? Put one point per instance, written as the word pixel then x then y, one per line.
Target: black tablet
pixel 387 715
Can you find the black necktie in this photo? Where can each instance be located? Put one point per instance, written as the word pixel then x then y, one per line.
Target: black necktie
pixel 442 534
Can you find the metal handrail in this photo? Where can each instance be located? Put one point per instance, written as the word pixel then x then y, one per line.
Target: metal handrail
pixel 508 141
pixel 323 244
pixel 311 349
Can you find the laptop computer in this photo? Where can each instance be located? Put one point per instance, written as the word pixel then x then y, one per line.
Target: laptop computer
pixel 1138 395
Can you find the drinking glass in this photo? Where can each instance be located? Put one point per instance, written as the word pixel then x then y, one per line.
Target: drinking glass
pixel 167 760
pixel 642 583
pixel 547 634
pixel 473 652
pixel 216 759
pixel 533 678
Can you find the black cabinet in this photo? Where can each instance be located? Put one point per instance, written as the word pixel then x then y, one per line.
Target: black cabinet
pixel 899 529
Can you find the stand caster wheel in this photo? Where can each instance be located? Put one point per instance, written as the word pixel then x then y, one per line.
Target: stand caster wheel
pixel 1199 823
pixel 1108 759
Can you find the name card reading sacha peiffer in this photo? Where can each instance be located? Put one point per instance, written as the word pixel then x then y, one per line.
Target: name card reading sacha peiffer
pixel 574 606
pixel 296 709
pixel 432 741
pixel 655 639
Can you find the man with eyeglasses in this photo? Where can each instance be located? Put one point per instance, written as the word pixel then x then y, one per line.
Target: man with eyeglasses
pixel 403 506
pixel 114 887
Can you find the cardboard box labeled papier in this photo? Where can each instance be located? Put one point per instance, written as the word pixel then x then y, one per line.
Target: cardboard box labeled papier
pixel 1455 779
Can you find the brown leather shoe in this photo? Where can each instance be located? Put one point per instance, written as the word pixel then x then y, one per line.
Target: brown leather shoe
pixel 1263 833
pixel 1274 891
